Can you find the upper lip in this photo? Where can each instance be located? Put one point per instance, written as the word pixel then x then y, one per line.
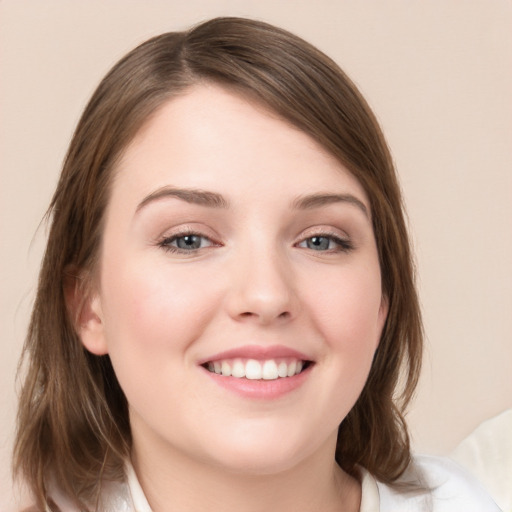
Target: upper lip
pixel 257 352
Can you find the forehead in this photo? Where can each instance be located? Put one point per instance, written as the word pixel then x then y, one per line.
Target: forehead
pixel 214 138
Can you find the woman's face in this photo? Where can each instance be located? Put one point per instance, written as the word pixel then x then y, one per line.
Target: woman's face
pixel 234 243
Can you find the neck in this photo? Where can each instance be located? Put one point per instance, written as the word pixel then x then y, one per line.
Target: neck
pixel 179 484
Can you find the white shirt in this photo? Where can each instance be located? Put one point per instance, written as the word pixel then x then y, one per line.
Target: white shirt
pixel 487 454
pixel 452 490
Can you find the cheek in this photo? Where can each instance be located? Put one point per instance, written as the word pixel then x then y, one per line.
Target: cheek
pixel 348 315
pixel 153 308
pixel 348 310
pixel 152 314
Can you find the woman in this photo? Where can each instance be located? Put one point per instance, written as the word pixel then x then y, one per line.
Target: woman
pixel 226 315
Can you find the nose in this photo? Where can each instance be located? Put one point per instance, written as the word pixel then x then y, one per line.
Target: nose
pixel 262 289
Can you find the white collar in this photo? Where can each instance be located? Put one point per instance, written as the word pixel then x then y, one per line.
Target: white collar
pixel 451 489
pixel 370 500
pixel 139 501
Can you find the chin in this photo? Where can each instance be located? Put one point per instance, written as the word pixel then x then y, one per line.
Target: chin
pixel 258 463
pixel 263 453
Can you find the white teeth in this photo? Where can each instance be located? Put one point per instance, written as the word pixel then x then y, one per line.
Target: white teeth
pixel 226 369
pixel 256 370
pixel 238 369
pixel 253 369
pixel 270 370
pixel 282 369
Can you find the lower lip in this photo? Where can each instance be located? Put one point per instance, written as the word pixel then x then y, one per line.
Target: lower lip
pixel 260 389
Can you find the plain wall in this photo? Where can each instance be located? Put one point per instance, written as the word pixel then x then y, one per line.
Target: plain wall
pixel 438 74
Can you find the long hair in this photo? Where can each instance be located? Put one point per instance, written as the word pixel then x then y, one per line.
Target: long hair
pixel 73 416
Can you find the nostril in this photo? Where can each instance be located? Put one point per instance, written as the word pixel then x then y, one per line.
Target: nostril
pixel 249 314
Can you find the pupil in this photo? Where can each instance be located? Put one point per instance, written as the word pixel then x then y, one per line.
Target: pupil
pixel 189 242
pixel 318 243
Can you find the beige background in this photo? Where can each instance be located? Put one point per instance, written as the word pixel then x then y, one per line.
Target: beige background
pixel 438 74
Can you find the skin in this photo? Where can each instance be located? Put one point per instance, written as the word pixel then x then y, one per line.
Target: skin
pixel 257 279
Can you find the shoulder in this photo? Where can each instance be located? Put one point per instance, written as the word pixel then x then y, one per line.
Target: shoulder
pixel 34 508
pixel 487 454
pixel 448 488
pixel 118 496
pixel 113 496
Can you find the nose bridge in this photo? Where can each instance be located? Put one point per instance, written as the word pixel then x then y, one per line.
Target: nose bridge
pixel 263 287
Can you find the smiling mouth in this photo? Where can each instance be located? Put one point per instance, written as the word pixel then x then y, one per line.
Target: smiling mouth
pixel 253 369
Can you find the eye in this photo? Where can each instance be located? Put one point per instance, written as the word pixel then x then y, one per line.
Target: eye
pixel 186 243
pixel 325 243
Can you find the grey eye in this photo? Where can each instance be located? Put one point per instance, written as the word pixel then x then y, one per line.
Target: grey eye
pixel 189 242
pixel 326 243
pixel 318 243
pixel 186 243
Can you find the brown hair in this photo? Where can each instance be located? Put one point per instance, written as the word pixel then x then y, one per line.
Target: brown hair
pixel 73 417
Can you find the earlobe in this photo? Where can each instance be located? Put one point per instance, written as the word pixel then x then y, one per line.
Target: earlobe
pixel 91 328
pixel 84 306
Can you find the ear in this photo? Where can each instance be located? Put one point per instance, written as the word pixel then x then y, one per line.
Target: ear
pixel 382 316
pixel 84 306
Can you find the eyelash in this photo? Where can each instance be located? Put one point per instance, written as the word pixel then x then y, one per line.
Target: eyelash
pixel 342 244
pixel 166 242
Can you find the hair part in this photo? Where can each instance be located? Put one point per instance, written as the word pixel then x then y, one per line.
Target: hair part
pixel 73 423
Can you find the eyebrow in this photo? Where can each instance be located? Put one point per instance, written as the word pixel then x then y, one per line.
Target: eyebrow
pixel 215 200
pixel 189 195
pixel 318 200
